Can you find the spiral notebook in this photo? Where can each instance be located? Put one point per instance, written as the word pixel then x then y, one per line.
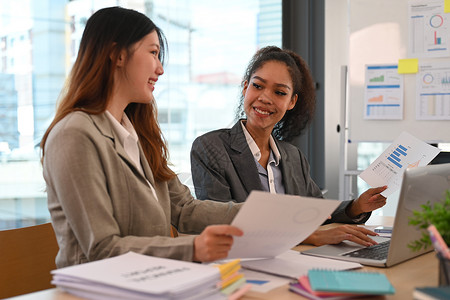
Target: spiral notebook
pixel 368 283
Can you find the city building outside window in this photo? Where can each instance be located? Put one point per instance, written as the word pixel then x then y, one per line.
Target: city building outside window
pixel 210 44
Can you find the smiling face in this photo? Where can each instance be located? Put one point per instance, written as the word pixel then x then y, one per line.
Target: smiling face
pixel 267 97
pixel 136 77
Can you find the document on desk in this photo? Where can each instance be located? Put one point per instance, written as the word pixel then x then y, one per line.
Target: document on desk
pixel 405 152
pixel 274 223
pixel 139 277
pixel 293 264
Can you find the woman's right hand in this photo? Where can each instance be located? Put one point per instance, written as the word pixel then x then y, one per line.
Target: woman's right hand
pixel 215 242
pixel 341 233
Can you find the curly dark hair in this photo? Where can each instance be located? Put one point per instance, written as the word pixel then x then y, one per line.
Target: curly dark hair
pixel 296 119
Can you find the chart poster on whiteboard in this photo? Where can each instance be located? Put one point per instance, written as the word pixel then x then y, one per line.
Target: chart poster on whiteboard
pixel 429 30
pixel 433 91
pixel 383 93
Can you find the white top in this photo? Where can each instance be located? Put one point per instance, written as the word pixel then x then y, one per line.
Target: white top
pixel 129 140
pixel 275 182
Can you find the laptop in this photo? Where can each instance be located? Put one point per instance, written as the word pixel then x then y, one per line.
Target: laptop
pixel 419 185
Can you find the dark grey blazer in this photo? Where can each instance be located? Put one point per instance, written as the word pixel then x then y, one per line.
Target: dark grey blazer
pixel 223 169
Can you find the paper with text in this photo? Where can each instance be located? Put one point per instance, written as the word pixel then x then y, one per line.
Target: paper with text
pixel 293 264
pixel 138 273
pixel 383 93
pixel 405 152
pixel 274 223
pixel 433 91
pixel 428 29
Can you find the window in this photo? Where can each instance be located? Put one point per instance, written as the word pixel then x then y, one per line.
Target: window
pixel 210 44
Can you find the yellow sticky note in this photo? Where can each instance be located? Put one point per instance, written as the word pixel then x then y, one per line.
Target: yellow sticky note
pixel 446 6
pixel 225 268
pixel 230 272
pixel 408 66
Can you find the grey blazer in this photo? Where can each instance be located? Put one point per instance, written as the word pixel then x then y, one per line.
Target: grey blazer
pixel 101 205
pixel 223 168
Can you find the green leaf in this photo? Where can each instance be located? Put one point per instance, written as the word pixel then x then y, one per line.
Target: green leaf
pixel 437 214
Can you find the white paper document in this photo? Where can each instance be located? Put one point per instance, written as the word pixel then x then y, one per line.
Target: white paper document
pixel 433 91
pixel 428 29
pixel 138 276
pixel 274 223
pixel 383 93
pixel 405 152
pixel 262 282
pixel 293 264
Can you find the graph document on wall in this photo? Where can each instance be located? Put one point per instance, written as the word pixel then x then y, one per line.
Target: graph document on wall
pixel 406 151
pixel 429 32
pixel 433 91
pixel 383 93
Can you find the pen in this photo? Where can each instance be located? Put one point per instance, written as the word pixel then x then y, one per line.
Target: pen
pixel 438 242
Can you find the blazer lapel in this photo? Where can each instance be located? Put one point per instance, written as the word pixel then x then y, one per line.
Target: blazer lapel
pixel 288 169
pixel 146 167
pixel 104 126
pixel 242 158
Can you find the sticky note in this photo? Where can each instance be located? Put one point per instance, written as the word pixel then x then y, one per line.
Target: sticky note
pixel 408 66
pixel 446 6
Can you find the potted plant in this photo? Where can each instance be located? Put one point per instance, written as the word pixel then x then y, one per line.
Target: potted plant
pixel 438 215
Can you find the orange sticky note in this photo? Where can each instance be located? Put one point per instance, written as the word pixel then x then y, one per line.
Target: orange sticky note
pixel 408 66
pixel 446 6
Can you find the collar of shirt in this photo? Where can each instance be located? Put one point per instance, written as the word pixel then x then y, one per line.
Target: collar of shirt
pixel 255 149
pixel 129 140
pixel 124 129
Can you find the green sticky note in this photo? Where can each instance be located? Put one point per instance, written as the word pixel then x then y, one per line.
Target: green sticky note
pixel 408 66
pixel 446 6
pixel 368 283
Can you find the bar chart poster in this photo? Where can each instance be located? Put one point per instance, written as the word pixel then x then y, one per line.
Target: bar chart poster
pixel 433 91
pixel 406 151
pixel 429 32
pixel 383 93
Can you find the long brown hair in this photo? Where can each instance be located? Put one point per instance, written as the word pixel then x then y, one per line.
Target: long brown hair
pixel 90 83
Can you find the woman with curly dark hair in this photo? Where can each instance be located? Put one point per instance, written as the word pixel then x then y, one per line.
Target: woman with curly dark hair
pixel 277 103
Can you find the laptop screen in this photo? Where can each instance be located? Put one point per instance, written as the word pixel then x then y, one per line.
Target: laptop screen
pixel 420 185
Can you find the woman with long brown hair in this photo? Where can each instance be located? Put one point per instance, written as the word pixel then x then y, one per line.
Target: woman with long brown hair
pixel 109 186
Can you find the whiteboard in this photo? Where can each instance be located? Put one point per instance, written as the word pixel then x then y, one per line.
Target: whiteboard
pixel 378 34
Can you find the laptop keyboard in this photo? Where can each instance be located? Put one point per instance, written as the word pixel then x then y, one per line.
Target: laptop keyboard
pixel 377 252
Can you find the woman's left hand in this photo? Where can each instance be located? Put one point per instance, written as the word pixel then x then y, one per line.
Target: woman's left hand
pixel 368 201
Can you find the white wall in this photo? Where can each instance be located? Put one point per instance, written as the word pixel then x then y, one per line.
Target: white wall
pixel 336 55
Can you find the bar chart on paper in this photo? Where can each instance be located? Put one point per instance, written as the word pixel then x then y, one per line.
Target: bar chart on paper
pixel 405 152
pixel 383 93
pixel 433 91
pixel 428 26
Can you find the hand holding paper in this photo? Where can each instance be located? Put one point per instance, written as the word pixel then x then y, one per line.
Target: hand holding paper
pixel 369 201
pixel 274 223
pixel 405 152
pixel 214 242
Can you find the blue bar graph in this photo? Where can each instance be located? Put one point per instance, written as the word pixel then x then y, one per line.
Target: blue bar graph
pixel 396 155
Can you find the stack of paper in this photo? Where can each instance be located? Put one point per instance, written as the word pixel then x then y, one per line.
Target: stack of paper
pixel 327 284
pixel 136 276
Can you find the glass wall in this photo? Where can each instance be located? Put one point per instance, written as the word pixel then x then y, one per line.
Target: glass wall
pixel 210 44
